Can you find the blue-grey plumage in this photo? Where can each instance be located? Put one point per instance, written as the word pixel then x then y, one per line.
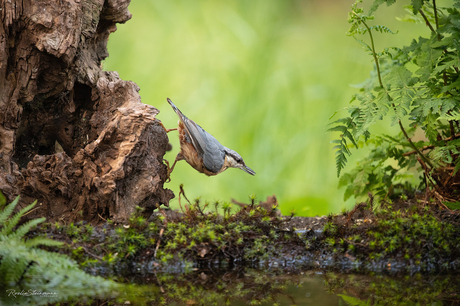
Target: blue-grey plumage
pixel 202 151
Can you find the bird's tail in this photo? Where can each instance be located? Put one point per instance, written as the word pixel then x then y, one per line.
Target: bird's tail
pixel 173 106
pixel 178 112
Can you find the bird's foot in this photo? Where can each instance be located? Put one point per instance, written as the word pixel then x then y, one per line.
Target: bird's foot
pixel 167 130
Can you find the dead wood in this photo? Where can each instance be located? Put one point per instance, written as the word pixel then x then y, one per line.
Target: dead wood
pixel 73 136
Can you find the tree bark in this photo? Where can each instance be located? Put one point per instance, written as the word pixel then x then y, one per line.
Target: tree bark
pixel 73 136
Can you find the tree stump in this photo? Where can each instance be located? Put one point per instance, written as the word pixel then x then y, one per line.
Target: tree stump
pixel 74 137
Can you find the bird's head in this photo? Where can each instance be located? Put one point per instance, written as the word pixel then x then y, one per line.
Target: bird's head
pixel 234 160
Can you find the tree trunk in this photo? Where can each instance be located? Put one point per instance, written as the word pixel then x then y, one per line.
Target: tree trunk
pixel 73 136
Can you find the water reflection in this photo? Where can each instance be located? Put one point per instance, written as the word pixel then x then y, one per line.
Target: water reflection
pixel 256 287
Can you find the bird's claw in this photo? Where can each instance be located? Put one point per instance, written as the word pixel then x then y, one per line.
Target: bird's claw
pixel 167 130
pixel 169 170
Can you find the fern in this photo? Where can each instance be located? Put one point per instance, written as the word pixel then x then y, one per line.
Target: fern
pixel 25 267
pixel 353 301
pixel 382 29
pixel 427 97
pixel 344 126
pixel 8 210
pixel 2 200
pixel 31 243
pixel 446 154
pixel 453 116
pixel 377 173
pixel 365 46
pixel 8 226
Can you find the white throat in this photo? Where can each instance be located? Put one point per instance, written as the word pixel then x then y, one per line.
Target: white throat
pixel 231 162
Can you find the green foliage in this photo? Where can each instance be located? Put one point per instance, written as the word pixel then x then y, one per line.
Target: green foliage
pixel 452 205
pixel 14 264
pixel 381 171
pixel 352 301
pixel 23 266
pixel 418 84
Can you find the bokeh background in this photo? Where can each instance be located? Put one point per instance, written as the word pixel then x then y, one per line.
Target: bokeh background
pixel 263 77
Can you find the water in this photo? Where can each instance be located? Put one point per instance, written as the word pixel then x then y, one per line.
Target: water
pixel 256 287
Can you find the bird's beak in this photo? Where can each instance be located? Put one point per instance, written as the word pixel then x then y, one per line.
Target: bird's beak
pixel 248 170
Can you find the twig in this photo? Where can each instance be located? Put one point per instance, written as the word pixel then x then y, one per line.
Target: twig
pixel 374 54
pixel 413 146
pixel 95 256
pixel 440 199
pixel 427 191
pixel 431 146
pixel 199 208
pixel 421 149
pixel 101 217
pixel 31 210
pixel 435 15
pixel 426 21
pixel 181 187
pixel 452 130
pixel 164 214
pixel 436 183
pixel 158 243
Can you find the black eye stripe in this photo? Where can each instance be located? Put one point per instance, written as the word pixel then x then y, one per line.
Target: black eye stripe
pixel 235 157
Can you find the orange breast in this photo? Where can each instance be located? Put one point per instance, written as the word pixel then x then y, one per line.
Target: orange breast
pixel 190 154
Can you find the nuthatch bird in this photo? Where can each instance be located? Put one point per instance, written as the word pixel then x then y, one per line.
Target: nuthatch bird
pixel 202 151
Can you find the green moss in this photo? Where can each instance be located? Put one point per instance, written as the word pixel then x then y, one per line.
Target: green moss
pixel 412 237
pixel 248 235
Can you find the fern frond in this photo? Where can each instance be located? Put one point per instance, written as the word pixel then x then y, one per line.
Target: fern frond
pixel 14 261
pixel 453 116
pixel 446 108
pixel 457 166
pixel 410 16
pixel 12 222
pixel 382 29
pixel 378 3
pixel 417 5
pixel 365 46
pixel 25 228
pixel 42 241
pixel 344 125
pixel 445 154
pixel 2 200
pixel 340 154
pixel 371 111
pixel 353 301
pixel 8 210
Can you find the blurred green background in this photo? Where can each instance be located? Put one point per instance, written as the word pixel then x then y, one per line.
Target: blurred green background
pixel 263 77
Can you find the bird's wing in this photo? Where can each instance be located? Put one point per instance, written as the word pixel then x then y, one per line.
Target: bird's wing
pixel 210 148
pixel 195 135
pixel 192 130
pixel 206 145
pixel 214 155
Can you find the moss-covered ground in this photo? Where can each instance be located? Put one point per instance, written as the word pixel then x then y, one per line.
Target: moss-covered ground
pixel 405 236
